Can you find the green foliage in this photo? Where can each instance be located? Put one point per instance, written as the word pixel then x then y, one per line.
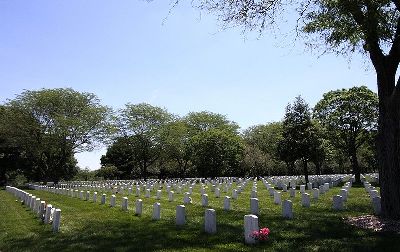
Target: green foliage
pixel 108 172
pixel 346 26
pixel 203 121
pixel 140 146
pixel 260 156
pixel 176 149
pixel 47 127
pixel 217 153
pixel 350 117
pixel 300 140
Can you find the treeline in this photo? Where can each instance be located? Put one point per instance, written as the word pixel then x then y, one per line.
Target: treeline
pixel 40 132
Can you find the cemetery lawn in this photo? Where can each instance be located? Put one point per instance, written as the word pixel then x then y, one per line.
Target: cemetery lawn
pixel 88 226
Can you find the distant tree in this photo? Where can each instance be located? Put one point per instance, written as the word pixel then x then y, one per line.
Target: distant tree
pixel 205 120
pixel 349 115
pixel 175 139
pixel 255 162
pixel 50 125
pixel 299 135
pixel 217 153
pixel 265 137
pixel 120 155
pixel 319 146
pixel 262 148
pixel 108 172
pixel 142 125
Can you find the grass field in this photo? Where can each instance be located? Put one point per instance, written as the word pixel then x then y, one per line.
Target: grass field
pixel 88 226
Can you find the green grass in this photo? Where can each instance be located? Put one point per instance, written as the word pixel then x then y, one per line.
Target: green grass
pixel 88 226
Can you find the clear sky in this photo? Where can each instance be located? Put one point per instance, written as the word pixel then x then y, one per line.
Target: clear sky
pixel 124 51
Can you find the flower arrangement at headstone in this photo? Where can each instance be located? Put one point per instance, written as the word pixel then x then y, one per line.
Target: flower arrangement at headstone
pixel 261 235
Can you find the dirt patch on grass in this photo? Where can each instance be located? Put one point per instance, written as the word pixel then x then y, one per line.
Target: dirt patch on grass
pixel 375 223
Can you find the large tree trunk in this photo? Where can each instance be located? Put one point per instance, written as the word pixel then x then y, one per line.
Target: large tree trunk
pixel 290 168
pixel 305 170
pixel 389 145
pixel 318 168
pixel 354 164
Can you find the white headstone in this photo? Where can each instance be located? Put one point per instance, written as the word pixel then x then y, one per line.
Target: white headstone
pixel 112 201
pixel 217 192
pixel 95 197
pixel 210 221
pixel 271 191
pixel 302 188
pixel 315 193
pixel 376 203
pixel 227 203
pixel 147 193
pixel 338 202
pixel 124 204
pixel 254 206
pixel 326 187
pixel 37 205
pixel 187 199
pixel 321 189
pixel 56 220
pixel 103 199
pixel 180 215
pixel 374 193
pixel 47 214
pixel 139 207
pixel 42 210
pixel 171 196
pixel 287 209
pixel 234 194
pixel 277 198
pixel 32 203
pixel 292 192
pixel 305 200
pixel 343 193
pixel 250 225
pixel 156 211
pixel 158 194
pixel 204 199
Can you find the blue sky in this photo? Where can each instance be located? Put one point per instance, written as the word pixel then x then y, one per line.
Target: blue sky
pixel 123 52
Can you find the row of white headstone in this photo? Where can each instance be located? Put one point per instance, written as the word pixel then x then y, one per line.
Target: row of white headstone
pixel 210 218
pixel 45 212
pixel 375 198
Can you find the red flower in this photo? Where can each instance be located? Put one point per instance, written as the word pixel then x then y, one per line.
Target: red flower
pixel 264 231
pixel 260 235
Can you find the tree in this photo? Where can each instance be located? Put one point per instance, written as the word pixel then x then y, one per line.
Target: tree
pixel 142 125
pixel 299 135
pixel 50 125
pixel 120 154
pixel 371 27
pixel 175 141
pixel 205 120
pixel 217 153
pixel 108 172
pixel 265 137
pixel 262 148
pixel 349 115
